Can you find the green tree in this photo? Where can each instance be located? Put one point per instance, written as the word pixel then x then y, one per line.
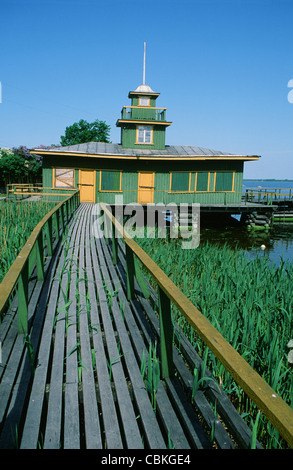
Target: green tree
pixel 19 166
pixel 83 131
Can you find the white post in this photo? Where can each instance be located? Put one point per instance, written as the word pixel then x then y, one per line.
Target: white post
pixel 143 81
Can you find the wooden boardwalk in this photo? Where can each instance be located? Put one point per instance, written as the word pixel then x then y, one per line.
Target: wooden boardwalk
pixel 76 381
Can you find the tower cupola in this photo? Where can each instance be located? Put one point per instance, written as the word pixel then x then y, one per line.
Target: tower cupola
pixel 143 124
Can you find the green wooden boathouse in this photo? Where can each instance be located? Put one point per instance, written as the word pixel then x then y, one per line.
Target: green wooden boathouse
pixel 142 168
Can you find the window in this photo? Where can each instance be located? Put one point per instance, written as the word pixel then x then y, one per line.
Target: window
pixel 144 135
pixel 202 181
pixel 144 101
pixel 110 181
pixel 224 181
pixel 64 178
pixel 180 181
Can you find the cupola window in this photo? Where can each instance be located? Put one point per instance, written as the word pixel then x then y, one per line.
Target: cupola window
pixel 144 101
pixel 144 135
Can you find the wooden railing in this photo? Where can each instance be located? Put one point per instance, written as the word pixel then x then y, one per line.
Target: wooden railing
pixel 19 191
pixel 268 196
pixel 41 241
pixel 256 196
pixel 264 397
pixel 143 113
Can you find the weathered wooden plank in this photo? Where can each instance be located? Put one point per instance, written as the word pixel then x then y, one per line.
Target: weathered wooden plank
pixel 54 416
pixel 153 433
pixel 188 419
pixel 33 418
pixel 71 416
pixel 109 415
pixel 90 405
pixel 203 406
pixel 163 405
pixel 71 397
pixel 238 428
pixel 170 421
pixel 128 417
pixel 205 409
pixel 233 421
pixel 53 431
pixel 18 371
pixel 14 412
pixel 35 406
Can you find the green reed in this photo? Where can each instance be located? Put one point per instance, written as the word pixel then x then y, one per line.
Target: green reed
pixel 249 301
pixel 17 221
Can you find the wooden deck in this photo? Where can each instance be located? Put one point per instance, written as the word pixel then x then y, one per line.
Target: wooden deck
pixel 75 382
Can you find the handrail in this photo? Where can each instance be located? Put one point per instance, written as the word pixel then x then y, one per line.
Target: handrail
pixel 28 189
pixel 248 195
pixel 274 408
pixel 18 275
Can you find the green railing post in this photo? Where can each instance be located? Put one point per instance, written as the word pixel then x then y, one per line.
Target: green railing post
pixel 106 228
pixel 114 246
pixel 65 213
pixel 23 300
pixel 50 237
pixel 56 225
pixel 39 256
pixel 68 209
pixel 130 271
pixel 166 335
pixel 61 217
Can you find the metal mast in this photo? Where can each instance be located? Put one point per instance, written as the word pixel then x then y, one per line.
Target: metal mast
pixel 144 48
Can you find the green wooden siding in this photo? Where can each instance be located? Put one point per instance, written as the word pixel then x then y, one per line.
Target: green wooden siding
pixel 128 137
pixel 135 101
pixel 162 169
pixel 147 115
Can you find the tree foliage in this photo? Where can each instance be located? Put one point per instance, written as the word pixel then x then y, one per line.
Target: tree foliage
pixel 19 166
pixel 83 131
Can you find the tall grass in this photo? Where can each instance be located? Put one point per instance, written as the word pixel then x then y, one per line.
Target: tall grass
pixel 249 301
pixel 17 220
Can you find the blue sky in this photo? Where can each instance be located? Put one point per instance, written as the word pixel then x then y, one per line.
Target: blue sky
pixel 221 67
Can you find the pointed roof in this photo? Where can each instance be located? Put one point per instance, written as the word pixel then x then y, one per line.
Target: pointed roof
pixel 144 89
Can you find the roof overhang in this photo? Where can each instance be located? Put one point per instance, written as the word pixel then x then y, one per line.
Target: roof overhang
pixel 120 122
pixel 146 157
pixel 144 93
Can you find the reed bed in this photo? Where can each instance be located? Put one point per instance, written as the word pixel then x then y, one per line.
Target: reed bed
pixel 17 221
pixel 249 301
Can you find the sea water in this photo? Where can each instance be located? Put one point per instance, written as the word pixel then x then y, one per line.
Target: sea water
pixel 275 244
